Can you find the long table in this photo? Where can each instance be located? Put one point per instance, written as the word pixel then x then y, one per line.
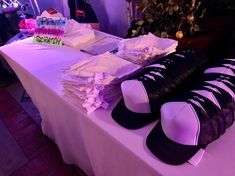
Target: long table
pixel 95 142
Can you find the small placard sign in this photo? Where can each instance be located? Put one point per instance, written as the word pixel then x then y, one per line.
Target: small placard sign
pixel 49 30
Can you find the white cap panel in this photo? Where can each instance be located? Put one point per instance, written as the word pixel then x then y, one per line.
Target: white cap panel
pixel 180 122
pixel 135 96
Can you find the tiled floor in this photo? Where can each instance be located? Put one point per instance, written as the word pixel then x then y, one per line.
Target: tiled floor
pixel 44 159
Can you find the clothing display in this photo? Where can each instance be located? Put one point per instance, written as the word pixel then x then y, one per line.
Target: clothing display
pixel 75 88
pixel 95 83
pixel 192 120
pixel 141 50
pixel 99 145
pixel 153 86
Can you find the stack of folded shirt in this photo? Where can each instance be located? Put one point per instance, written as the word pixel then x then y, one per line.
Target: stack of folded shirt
pixel 76 33
pixel 142 49
pixel 95 83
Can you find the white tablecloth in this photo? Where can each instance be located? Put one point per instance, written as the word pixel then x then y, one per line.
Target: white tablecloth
pixel 95 142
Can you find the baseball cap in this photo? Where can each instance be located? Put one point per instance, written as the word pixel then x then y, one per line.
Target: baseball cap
pixel 194 119
pixel 145 92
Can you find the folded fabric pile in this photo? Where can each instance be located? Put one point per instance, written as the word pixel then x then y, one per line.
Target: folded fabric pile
pixel 142 49
pixel 95 83
pixel 76 33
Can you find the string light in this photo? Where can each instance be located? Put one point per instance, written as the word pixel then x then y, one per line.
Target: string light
pixel 15 5
pixel 4 6
pixel 23 7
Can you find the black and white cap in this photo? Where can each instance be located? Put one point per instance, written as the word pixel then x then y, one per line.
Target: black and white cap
pixel 145 92
pixel 194 119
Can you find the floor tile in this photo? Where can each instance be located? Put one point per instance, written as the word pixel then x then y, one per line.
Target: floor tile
pixel 42 157
pixel 12 156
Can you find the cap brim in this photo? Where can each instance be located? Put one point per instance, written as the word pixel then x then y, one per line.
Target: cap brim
pixel 168 151
pixel 131 120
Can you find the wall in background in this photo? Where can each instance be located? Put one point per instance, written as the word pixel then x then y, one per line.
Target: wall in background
pixel 45 4
pixel 112 16
pixel 110 13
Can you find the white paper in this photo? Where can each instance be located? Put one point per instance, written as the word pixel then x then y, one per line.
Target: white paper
pixel 100 46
